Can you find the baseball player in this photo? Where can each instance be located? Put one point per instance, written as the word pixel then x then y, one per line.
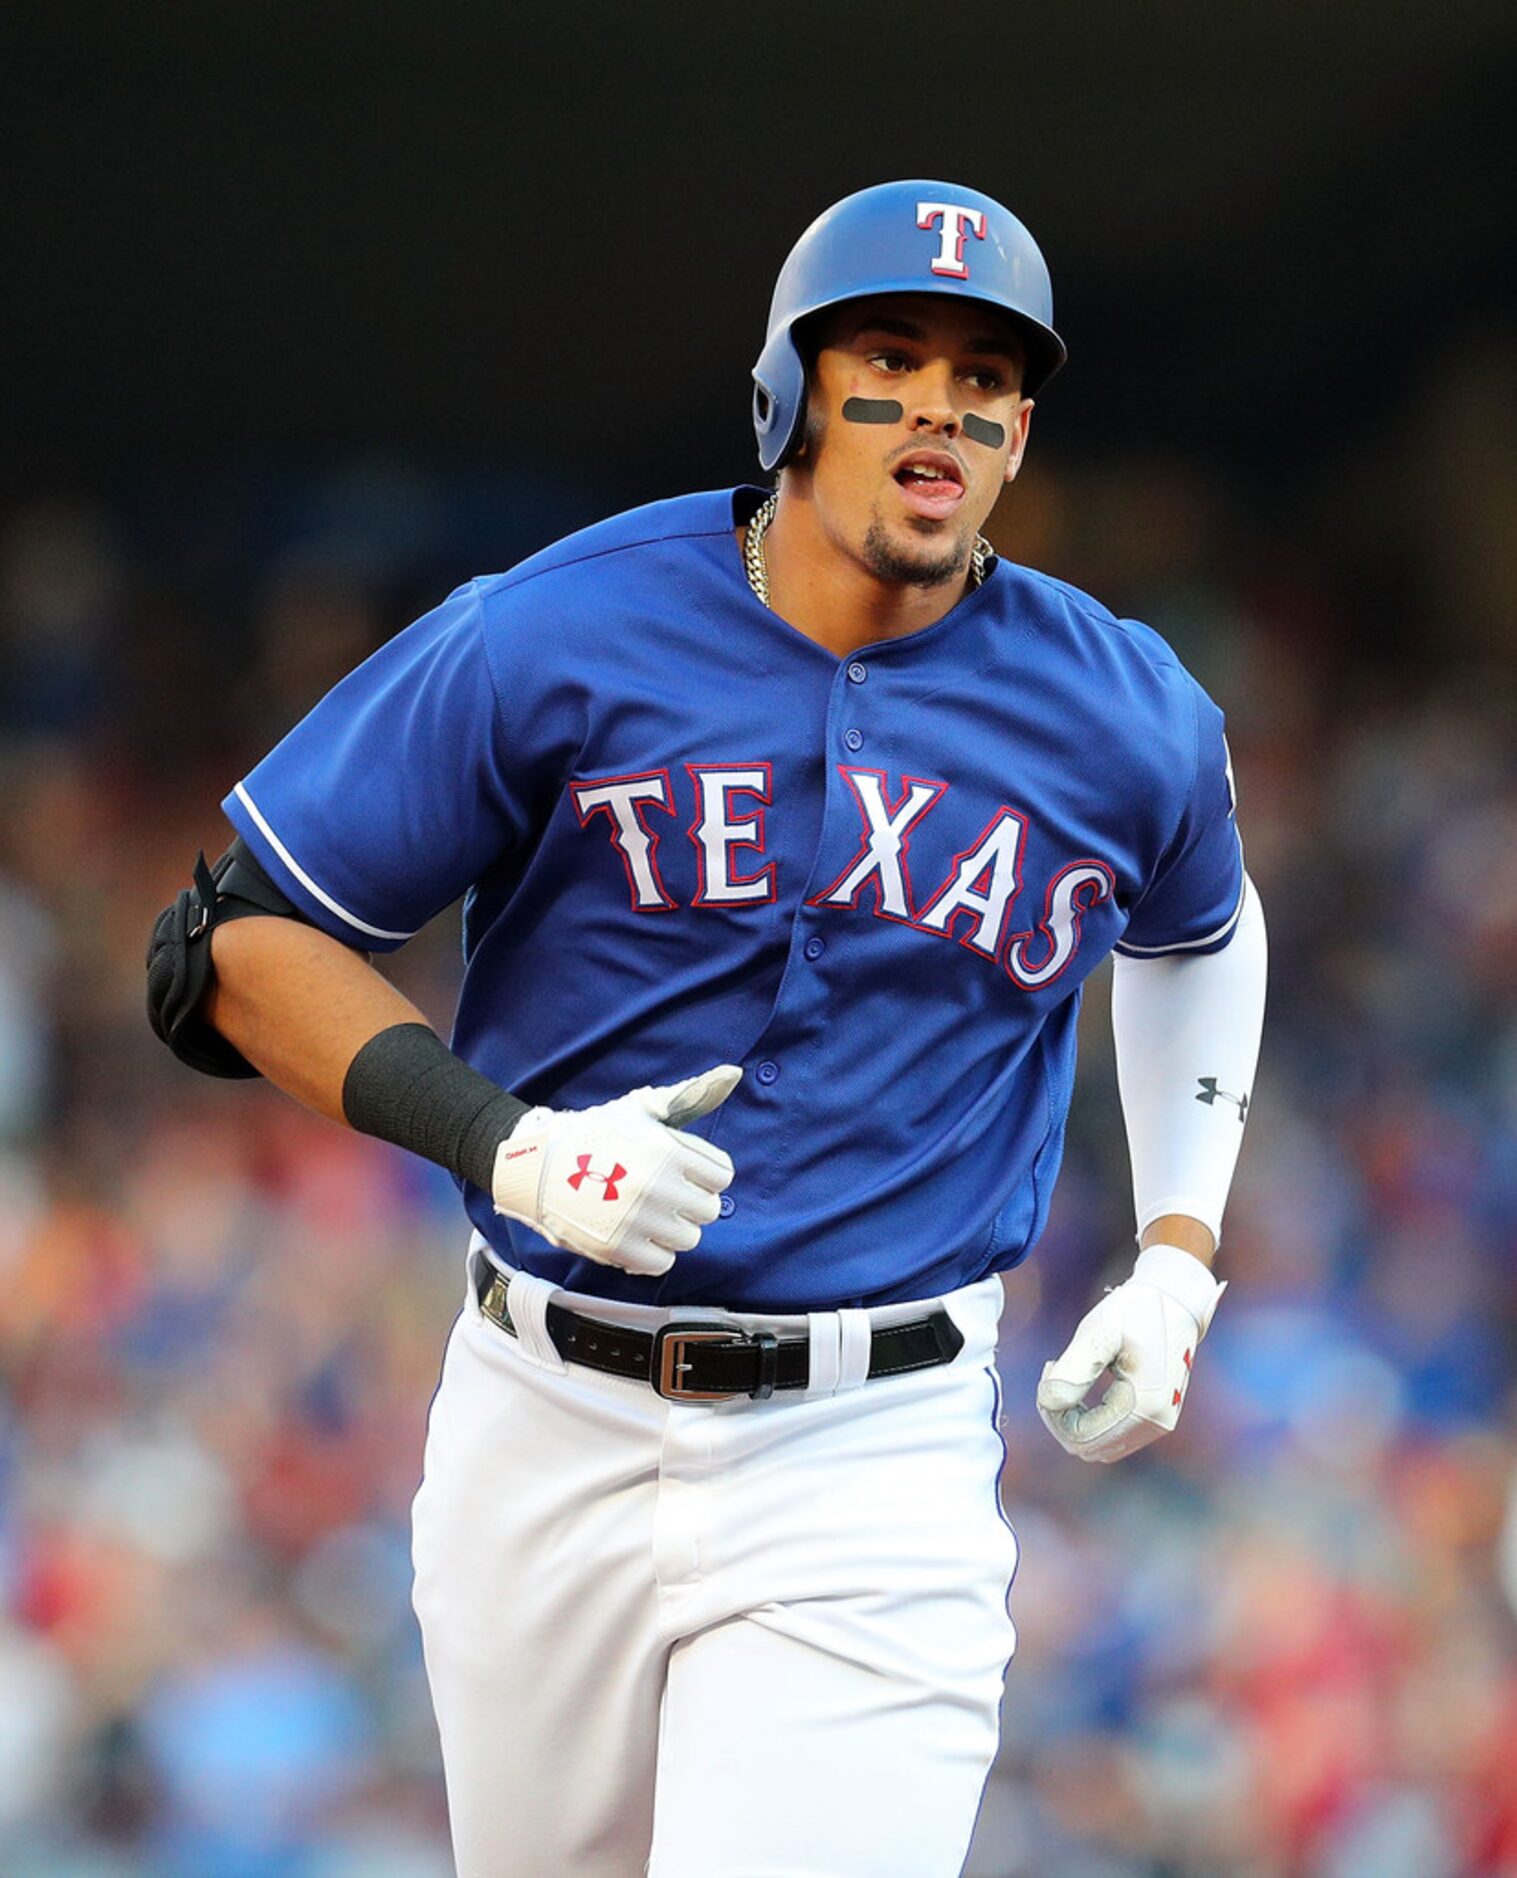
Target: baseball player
pixel 789 822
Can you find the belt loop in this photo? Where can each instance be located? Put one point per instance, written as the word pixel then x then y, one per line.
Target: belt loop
pixel 768 1347
pixel 527 1302
pixel 854 1339
pixel 825 1356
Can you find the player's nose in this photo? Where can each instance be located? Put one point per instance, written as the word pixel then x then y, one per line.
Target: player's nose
pixel 931 405
pixel 939 419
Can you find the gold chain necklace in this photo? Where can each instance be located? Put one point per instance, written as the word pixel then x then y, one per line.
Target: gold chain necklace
pixel 758 571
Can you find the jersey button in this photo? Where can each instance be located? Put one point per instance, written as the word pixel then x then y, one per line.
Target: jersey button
pixel 857 672
pixel 768 1072
pixel 815 948
pixel 726 1206
pixel 854 739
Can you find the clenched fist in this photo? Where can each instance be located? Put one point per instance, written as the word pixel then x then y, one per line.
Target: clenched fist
pixel 1147 1331
pixel 622 1183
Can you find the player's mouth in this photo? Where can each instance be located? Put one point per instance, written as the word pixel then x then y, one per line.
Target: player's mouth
pixel 931 481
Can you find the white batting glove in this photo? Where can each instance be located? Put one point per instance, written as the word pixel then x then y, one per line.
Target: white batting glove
pixel 1147 1330
pixel 621 1183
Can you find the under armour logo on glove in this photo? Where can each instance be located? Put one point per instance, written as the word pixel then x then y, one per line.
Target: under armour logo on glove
pixel 663 1186
pixel 1146 1332
pixel 586 1172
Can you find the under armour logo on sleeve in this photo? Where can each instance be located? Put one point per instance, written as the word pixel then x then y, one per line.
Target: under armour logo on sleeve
pixel 1210 1093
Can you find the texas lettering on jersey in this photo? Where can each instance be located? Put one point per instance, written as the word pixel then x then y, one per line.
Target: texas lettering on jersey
pixel 974 904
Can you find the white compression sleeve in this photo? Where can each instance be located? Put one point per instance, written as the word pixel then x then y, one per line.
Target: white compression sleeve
pixel 1187 1036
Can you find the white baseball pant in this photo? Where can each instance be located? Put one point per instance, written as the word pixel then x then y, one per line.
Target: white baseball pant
pixel 743 1639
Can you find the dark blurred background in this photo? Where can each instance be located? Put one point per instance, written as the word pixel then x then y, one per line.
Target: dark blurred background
pixel 309 314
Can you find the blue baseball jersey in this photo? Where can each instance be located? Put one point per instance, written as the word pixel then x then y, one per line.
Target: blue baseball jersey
pixel 689 834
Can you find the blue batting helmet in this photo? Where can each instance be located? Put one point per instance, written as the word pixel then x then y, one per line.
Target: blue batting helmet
pixel 908 237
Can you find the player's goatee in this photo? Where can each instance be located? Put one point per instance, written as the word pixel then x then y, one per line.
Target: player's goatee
pixel 929 568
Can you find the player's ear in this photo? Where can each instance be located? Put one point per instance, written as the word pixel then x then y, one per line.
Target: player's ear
pixel 1019 428
pixel 813 425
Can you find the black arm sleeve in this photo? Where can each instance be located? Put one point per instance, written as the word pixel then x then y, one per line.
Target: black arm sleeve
pixel 405 1085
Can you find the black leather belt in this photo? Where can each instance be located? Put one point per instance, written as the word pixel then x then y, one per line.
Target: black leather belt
pixel 694 1362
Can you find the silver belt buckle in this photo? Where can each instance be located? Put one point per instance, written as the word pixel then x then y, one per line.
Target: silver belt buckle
pixel 669 1365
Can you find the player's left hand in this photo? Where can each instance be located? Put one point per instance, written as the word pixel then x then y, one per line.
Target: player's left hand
pixel 1147 1331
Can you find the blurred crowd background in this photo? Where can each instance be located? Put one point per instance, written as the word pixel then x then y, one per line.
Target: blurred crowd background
pixel 247 449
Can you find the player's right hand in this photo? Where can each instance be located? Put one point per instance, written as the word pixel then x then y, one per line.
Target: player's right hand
pixel 622 1183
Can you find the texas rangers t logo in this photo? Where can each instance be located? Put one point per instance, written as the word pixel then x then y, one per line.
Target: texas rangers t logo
pixel 958 224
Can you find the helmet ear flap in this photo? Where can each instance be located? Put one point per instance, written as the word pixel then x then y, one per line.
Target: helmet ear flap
pixel 779 399
pixel 763 408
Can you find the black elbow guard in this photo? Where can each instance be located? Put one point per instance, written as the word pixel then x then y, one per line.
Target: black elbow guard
pixel 179 956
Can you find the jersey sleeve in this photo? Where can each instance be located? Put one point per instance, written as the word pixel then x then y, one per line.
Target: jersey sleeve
pixel 1193 899
pixel 393 795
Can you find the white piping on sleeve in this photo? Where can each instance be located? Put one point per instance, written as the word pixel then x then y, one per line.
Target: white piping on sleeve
pixel 358 925
pixel 1188 945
